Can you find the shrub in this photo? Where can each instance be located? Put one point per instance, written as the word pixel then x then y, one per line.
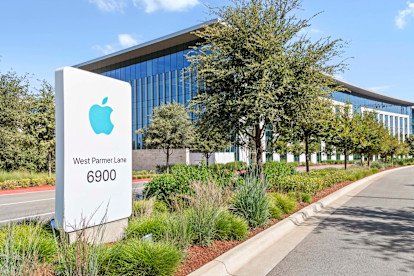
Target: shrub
pixel 51 181
pixel 205 205
pixel 284 202
pixel 165 186
pixel 379 165
pixel 231 227
pixel 306 197
pixel 38 182
pixel 10 184
pixel 155 225
pixel 137 257
pixel 85 256
pixel 147 207
pixel 250 201
pixel 28 239
pixel 274 209
pixel 24 182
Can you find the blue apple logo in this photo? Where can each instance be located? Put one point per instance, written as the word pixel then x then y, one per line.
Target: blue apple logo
pixel 100 118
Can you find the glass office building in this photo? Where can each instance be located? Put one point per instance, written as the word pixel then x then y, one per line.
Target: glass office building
pixel 155 72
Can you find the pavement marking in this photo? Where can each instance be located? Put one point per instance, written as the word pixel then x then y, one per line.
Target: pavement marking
pixel 30 201
pixel 28 217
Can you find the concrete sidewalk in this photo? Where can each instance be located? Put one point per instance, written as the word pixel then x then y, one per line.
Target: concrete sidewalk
pixel 262 253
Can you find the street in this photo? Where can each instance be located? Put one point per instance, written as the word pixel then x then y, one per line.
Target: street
pixel 371 234
pixel 15 207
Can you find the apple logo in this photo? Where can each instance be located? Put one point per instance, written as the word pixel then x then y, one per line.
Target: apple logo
pixel 100 118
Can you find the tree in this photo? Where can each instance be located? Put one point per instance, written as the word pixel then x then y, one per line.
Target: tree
pixel 254 68
pixel 209 139
pixel 410 143
pixel 42 122
pixel 170 128
pixel 312 128
pixel 344 131
pixel 371 135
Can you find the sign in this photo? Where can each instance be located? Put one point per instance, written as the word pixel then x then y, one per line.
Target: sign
pixel 93 149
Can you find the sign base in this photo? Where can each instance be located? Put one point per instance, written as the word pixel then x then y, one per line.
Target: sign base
pixel 105 233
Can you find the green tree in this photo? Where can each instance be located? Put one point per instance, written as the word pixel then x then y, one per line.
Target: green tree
pixel 42 122
pixel 344 131
pixel 313 127
pixel 208 139
pixel 170 128
pixel 371 135
pixel 254 68
pixel 410 142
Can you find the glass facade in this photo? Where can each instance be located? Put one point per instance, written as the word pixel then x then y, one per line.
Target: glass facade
pixel 157 79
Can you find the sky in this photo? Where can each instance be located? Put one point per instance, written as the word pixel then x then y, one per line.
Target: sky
pixel 37 37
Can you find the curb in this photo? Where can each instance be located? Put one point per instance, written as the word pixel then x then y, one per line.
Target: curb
pixel 27 190
pixel 241 255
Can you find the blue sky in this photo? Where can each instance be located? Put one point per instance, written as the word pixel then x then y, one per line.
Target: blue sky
pixel 39 36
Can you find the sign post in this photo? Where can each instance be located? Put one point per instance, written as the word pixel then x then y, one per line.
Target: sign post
pixel 93 153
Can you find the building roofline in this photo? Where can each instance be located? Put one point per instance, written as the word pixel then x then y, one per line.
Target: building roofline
pixel 371 94
pixel 135 50
pixel 184 36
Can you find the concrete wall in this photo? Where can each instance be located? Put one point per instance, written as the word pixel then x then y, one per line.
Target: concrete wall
pixel 149 159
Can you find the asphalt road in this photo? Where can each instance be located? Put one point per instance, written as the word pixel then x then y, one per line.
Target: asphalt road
pixel 371 234
pixel 15 207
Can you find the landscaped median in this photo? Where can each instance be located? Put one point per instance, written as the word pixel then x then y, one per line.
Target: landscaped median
pixel 189 218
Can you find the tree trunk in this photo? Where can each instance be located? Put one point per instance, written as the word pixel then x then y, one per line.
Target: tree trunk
pixel 49 155
pixel 307 154
pixel 168 161
pixel 206 156
pixel 259 152
pixel 369 159
pixel 345 152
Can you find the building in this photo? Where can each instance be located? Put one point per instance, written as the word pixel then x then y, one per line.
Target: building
pixel 155 69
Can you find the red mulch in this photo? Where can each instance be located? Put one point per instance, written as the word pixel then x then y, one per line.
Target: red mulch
pixel 197 256
pixel 41 188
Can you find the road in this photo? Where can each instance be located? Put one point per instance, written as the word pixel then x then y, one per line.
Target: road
pixel 371 234
pixel 14 207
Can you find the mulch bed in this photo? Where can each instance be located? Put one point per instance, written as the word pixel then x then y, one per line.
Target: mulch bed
pixel 197 256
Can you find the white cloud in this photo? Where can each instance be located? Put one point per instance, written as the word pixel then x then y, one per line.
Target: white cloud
pixel 166 5
pixel 401 18
pixel 127 40
pixel 110 5
pixel 380 88
pixel 124 41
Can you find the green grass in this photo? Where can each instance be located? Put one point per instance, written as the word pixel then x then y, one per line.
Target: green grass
pixel 15 175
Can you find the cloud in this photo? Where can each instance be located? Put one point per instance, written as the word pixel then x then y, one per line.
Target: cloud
pixel 124 41
pixel 166 5
pixel 401 18
pixel 127 40
pixel 380 88
pixel 110 5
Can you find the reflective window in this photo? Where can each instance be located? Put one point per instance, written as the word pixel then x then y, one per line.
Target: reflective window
pixel 174 86
pixel 161 88
pixel 173 61
pixel 155 101
pixel 167 63
pixel 133 72
pixel 118 74
pixel 180 60
pixel 167 87
pixel 148 65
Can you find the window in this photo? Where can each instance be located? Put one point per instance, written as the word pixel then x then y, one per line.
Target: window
pixel 167 63
pixel 161 88
pixel 174 86
pixel 296 158
pixel 167 87
pixel 386 121
pixel 161 68
pixel 156 99
pixel 173 61
pixel 149 67
pixel 180 60
pixel 133 72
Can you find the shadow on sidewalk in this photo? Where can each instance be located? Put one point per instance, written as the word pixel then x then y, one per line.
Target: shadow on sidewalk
pixel 387 233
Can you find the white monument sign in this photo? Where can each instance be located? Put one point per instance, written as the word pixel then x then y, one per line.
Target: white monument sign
pixel 93 149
